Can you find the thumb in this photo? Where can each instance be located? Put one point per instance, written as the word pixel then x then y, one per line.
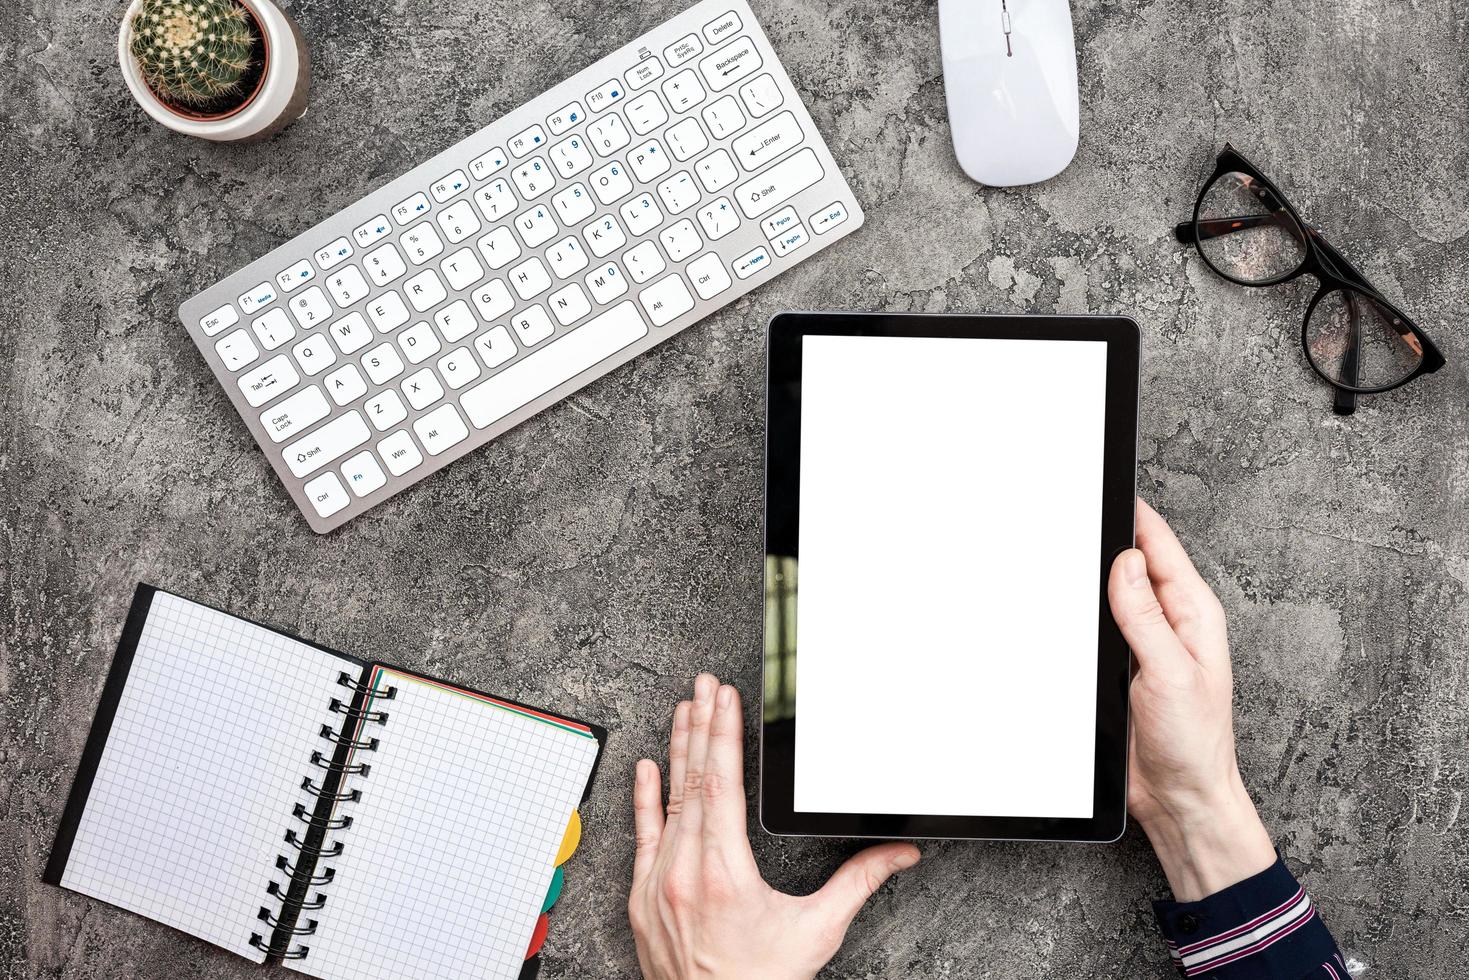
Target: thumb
pixel 843 896
pixel 1142 620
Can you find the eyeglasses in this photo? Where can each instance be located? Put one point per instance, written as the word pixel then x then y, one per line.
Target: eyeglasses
pixel 1354 338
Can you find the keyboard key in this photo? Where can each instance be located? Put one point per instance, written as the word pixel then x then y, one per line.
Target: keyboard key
pixel 604 236
pixel 409 210
pixel 486 164
pixel 273 328
pixel 731 64
pixel 422 388
pixel 495 200
pixel 646 113
pixel 493 300
pixel 683 91
pixel 608 135
pixel 337 252
pixel 644 73
pixel 761 96
pixel 533 177
pixel 419 342
pixel 296 275
pixel 606 95
pixel 345 384
pixel 462 269
pixel 495 346
pixel 536 226
pixel 449 185
pixel 682 50
pixel 571 156
pixel 382 363
pixel 574 204
pixel 569 304
pixel 270 380
pixel 371 231
pixel 611 183
pixel 648 161
pixel 310 308
pixel 641 214
pixel 347 287
pixel 455 321
pixel 458 368
pixel 314 355
pixel 387 312
pixel 666 300
pixel 385 409
pixel 254 299
pixel 680 240
pixel 499 248
pixel 327 444
pixel 384 264
pixel 789 241
pixel 425 290
pixel 350 333
pixel 708 275
pixel 421 243
pixel 686 139
pixel 543 370
pixel 294 415
pixel 567 257
pixel 678 193
pixel 828 217
pixel 526 141
pixel 326 494
pixel 767 141
pixel 236 350
pixel 606 283
pixel 530 278
pixel 718 219
pixel 458 221
pixel 221 319
pixel 751 262
pixel 779 222
pixel 716 171
pixel 399 453
pixel 532 326
pixel 363 474
pixel 722 27
pixel 724 117
pixel 441 429
pixel 779 184
pixel 566 117
pixel 643 262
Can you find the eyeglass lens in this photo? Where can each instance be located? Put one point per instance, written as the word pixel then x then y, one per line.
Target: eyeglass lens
pixel 1245 232
pixel 1358 342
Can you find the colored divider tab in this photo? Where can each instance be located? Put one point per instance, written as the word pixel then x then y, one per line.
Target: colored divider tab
pixel 572 838
pixel 539 936
pixel 554 892
pixel 530 969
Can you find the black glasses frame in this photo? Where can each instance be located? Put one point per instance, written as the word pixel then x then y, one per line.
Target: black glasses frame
pixel 1322 261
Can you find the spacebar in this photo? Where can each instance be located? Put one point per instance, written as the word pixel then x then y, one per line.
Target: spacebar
pixel 526 380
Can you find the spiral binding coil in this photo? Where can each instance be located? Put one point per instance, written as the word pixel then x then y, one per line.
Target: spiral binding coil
pixel 311 846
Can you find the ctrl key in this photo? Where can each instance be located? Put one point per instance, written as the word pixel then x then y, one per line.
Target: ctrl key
pixel 326 494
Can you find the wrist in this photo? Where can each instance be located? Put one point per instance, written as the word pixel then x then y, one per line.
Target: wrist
pixel 1208 843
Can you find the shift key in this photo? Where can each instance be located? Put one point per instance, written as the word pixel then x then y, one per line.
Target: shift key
pixel 779 184
pixel 332 441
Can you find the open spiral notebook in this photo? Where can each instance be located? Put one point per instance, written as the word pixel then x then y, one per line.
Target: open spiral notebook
pixel 288 802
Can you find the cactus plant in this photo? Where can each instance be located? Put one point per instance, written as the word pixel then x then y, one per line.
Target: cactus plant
pixel 193 52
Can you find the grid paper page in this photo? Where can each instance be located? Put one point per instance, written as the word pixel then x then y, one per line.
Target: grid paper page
pixel 202 768
pixel 453 844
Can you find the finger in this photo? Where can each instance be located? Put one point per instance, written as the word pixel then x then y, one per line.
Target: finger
pixel 647 810
pixel 1140 616
pixel 724 775
pixel 841 898
pixel 678 757
pixel 1190 605
pixel 691 820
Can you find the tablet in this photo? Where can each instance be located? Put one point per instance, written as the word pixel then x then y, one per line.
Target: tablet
pixel 945 495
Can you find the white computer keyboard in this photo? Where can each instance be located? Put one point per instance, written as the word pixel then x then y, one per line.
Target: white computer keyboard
pixel 529 259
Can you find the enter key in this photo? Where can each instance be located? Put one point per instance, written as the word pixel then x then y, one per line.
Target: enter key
pixel 768 140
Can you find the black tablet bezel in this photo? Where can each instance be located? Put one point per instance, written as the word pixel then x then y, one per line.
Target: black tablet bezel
pixel 782 496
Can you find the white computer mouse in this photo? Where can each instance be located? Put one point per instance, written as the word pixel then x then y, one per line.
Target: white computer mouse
pixel 1010 81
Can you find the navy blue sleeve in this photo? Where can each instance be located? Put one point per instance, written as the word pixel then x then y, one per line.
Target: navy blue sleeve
pixel 1263 928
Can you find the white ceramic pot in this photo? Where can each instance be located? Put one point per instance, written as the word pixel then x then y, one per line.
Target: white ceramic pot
pixel 279 99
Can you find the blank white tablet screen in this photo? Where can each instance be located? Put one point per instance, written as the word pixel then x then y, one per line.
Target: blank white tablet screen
pixel 950 533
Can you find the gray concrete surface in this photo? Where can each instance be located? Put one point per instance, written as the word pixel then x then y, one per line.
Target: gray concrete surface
pixel 598 556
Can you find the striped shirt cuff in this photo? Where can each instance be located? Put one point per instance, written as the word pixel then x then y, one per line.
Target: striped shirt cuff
pixel 1263 928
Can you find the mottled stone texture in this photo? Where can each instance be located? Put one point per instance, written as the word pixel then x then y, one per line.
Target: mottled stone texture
pixel 597 556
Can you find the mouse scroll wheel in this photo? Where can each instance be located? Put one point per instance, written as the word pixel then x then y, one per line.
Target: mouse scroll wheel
pixel 1005 26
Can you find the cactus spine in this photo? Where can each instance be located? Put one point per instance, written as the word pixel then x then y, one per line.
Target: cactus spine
pixel 193 52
